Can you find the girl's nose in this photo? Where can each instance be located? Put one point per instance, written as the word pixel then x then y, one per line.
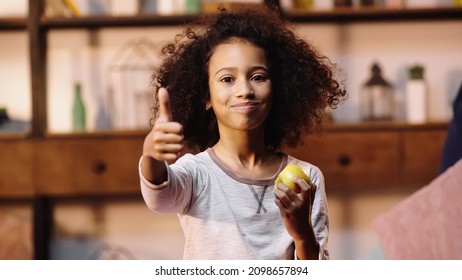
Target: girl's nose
pixel 245 90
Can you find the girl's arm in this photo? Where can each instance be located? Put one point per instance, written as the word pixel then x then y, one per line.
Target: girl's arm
pixel 162 144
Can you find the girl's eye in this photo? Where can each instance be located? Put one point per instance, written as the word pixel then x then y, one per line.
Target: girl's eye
pixel 259 78
pixel 227 79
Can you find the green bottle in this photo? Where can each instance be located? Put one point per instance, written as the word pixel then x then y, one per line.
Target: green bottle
pixel 78 110
pixel 193 6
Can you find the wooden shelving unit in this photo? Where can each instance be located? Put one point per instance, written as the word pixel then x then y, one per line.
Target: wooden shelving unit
pixel 343 15
pixel 340 15
pixel 93 22
pixel 45 159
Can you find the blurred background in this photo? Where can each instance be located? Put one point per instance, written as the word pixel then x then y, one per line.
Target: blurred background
pixel 75 99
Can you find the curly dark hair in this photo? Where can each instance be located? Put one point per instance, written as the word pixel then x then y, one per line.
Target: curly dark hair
pixel 303 83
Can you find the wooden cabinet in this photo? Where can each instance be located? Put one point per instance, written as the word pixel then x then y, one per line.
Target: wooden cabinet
pixel 351 157
pixel 354 159
pixel 367 157
pixel 421 156
pixel 16 168
pixel 88 166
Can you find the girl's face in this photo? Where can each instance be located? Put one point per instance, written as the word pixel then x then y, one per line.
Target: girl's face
pixel 240 87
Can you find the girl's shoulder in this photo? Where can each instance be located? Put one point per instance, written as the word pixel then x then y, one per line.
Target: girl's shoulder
pixel 293 160
pixel 200 157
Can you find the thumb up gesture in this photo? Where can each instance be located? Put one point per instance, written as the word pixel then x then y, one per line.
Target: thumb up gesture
pixel 165 141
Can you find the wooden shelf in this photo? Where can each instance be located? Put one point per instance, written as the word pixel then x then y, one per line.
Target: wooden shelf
pixel 92 22
pixel 98 134
pixel 385 126
pixel 13 24
pixel 374 14
pixel 331 127
pixel 14 135
pixel 296 15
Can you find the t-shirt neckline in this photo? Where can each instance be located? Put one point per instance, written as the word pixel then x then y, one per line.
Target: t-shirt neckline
pixel 245 179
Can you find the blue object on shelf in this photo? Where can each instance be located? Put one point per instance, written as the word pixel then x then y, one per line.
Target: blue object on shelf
pixel 97 7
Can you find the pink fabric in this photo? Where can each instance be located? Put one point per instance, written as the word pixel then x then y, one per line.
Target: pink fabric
pixel 428 224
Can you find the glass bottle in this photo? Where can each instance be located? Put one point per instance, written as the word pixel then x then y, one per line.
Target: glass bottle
pixel 193 6
pixel 78 110
pixel 377 99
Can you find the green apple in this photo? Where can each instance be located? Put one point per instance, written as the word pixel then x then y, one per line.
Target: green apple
pixel 289 173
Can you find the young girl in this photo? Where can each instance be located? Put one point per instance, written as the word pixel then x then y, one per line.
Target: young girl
pixel 239 86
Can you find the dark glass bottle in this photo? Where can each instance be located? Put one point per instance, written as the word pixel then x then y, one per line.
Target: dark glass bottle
pixel 3 115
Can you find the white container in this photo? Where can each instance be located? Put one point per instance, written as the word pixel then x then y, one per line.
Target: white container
pixel 416 101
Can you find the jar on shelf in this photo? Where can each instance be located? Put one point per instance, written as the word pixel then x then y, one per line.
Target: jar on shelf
pixel 377 97
pixel 416 95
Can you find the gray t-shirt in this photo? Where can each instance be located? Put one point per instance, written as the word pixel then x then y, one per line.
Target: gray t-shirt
pixel 226 216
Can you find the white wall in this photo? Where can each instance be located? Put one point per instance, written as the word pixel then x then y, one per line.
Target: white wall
pixel 15 84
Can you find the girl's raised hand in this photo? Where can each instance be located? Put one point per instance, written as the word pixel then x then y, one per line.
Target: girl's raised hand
pixel 165 141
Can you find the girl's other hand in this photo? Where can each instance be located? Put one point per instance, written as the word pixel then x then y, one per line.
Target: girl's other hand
pixel 296 208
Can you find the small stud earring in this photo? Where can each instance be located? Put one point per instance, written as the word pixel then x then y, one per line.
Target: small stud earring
pixel 208 107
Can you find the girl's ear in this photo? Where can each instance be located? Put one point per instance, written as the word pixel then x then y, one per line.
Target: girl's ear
pixel 208 105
